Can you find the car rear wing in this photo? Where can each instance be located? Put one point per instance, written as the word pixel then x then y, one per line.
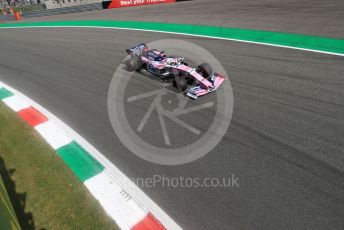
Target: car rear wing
pixel 141 46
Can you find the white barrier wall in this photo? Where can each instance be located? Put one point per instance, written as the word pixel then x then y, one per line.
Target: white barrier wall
pixel 53 4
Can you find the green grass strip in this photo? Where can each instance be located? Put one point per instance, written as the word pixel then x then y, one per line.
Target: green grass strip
pixel 80 161
pixel 8 218
pixel 44 193
pixel 4 93
pixel 315 43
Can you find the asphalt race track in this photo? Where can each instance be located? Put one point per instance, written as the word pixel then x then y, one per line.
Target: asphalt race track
pixel 284 143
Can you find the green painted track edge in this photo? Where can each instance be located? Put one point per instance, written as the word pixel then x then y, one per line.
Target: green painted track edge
pixel 307 42
pixel 4 93
pixel 80 161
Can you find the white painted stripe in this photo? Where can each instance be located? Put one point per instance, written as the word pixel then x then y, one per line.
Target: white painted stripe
pixel 137 211
pixel 16 103
pixel 186 34
pixel 53 134
pixel 116 202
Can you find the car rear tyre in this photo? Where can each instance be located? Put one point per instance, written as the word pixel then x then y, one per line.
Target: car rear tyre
pixel 134 63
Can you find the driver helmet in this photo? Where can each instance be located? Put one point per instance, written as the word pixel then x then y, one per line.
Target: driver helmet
pixel 163 54
pixel 172 62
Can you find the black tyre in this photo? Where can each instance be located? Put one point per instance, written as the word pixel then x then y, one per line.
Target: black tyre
pixel 134 63
pixel 180 83
pixel 205 70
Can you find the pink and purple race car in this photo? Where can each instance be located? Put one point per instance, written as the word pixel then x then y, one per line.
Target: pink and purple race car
pixel 194 81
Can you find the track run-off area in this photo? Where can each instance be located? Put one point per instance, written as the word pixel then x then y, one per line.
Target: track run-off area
pixel 284 143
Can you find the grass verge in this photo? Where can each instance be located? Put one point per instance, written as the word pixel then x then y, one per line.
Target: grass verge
pixel 44 192
pixel 8 218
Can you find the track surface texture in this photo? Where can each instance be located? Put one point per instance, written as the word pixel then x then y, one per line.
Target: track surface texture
pixel 313 17
pixel 285 141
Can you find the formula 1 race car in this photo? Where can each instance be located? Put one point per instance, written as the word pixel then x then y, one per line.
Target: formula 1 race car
pixel 194 81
